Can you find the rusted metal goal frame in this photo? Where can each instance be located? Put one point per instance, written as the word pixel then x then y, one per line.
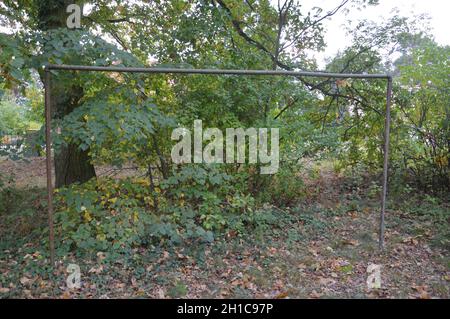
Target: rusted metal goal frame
pixel 48 141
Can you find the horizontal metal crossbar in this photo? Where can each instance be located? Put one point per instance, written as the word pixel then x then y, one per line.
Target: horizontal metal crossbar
pixel 216 71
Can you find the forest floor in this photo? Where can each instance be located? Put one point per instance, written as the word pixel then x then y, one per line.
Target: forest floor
pixel 320 248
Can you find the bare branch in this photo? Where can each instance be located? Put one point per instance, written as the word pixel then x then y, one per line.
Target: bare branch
pixel 316 22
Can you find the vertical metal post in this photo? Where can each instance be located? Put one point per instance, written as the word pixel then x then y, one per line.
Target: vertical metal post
pixel 387 128
pixel 48 152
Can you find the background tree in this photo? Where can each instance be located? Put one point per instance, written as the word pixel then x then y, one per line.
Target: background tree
pixel 314 113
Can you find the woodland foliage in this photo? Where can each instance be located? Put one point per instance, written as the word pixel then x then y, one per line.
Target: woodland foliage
pixel 127 118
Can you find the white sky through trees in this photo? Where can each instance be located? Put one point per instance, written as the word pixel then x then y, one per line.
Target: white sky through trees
pixel 337 39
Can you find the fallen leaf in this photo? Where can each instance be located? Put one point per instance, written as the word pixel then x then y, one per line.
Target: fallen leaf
pixel 351 242
pixel 326 281
pixel 411 240
pixel 226 273
pixel 236 282
pixel 424 295
pixel 422 291
pixel 315 295
pixel 95 270
pixel 313 252
pixel 282 295
pixel 161 294
pixel 301 266
pixel 181 256
pixel 140 293
pixel 4 290
pixel 66 295
pixel 25 281
pixel 101 256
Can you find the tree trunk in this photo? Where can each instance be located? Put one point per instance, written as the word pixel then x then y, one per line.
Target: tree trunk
pixel 71 163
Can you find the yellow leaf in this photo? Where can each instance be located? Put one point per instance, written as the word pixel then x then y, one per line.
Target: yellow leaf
pixel 87 216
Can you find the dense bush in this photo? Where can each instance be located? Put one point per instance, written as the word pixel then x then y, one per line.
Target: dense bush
pixel 103 214
pixel 286 188
pixel 195 204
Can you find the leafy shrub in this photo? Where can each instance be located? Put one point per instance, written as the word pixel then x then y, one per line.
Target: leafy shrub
pixel 374 190
pixel 284 189
pixel 213 194
pixel 193 204
pixel 104 213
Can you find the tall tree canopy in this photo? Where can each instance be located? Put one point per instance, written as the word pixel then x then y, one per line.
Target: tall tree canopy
pixel 99 110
